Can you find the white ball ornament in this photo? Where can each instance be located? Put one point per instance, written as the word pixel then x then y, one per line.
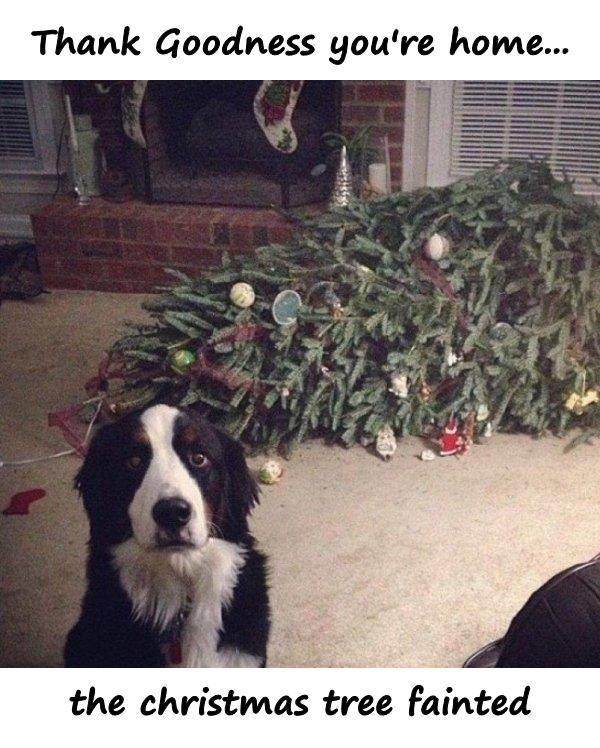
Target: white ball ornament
pixel 242 295
pixel 270 472
pixel 436 247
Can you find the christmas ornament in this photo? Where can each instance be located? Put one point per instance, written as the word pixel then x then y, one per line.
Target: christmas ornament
pixel 451 440
pixel 425 392
pixel 451 358
pixel 483 412
pixel 242 295
pixel 20 502
pixel 342 186
pixel 399 385
pixel 427 455
pixel 270 472
pixel 578 403
pixel 436 247
pixel 181 360
pixel 223 347
pixel 285 307
pixel 274 106
pixel 504 333
pixel 385 443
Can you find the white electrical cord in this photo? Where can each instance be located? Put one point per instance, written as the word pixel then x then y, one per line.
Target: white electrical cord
pixel 64 453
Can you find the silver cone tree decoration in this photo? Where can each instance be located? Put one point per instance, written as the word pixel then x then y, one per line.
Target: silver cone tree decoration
pixel 342 187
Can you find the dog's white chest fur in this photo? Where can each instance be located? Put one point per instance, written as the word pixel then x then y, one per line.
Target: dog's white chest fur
pixel 160 584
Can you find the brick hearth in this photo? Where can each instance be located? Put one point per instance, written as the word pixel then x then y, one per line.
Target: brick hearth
pixel 124 247
pixel 107 246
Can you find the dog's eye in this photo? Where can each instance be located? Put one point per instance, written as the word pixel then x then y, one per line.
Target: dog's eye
pixel 198 459
pixel 134 462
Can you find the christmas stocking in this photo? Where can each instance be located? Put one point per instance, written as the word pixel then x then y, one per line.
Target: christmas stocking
pixel 274 106
pixel 132 97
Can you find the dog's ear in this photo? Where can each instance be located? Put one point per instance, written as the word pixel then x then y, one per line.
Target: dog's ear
pixel 243 489
pixel 91 479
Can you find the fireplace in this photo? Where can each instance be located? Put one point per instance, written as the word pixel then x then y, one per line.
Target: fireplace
pixel 206 147
pixel 122 242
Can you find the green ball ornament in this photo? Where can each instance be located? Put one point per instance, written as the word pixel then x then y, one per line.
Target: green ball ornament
pixel 181 360
pixel 242 295
pixel 270 472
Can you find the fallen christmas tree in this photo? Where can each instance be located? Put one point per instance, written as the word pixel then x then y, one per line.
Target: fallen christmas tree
pixel 479 302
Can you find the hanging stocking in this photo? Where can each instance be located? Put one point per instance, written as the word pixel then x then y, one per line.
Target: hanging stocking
pixel 274 106
pixel 132 97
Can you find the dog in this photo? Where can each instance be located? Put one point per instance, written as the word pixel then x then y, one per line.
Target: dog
pixel 173 574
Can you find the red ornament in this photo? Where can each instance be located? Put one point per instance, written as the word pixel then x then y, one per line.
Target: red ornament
pixel 451 441
pixel 19 503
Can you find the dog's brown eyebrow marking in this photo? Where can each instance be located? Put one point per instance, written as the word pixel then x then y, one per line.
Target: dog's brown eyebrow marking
pixel 189 435
pixel 141 437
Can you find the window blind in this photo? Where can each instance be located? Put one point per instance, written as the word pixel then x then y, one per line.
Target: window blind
pixel 16 138
pixel 558 120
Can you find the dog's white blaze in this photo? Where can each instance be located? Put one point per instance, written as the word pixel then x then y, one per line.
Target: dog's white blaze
pixel 166 476
pixel 159 583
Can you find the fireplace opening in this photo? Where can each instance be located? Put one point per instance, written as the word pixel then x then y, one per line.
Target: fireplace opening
pixel 205 145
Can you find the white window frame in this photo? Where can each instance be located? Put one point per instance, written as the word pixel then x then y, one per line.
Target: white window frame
pixel 439 151
pixel 427 148
pixel 31 180
pixel 34 174
pixel 427 155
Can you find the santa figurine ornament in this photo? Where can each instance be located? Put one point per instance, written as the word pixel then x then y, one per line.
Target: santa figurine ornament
pixel 451 441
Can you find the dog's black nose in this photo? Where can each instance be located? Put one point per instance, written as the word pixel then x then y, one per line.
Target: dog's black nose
pixel 171 514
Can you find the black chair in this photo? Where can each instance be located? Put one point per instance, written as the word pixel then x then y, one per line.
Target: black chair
pixel 559 626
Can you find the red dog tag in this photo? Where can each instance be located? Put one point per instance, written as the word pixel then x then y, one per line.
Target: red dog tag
pixel 175 654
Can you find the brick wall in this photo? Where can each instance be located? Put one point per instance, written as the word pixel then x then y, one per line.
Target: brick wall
pixel 107 246
pixel 378 103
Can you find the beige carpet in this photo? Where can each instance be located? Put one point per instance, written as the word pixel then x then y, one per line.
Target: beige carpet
pixel 400 564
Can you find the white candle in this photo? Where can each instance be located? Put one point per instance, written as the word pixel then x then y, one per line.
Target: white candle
pixel 378 178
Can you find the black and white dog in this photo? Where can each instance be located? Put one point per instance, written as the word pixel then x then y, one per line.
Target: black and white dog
pixel 173 575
